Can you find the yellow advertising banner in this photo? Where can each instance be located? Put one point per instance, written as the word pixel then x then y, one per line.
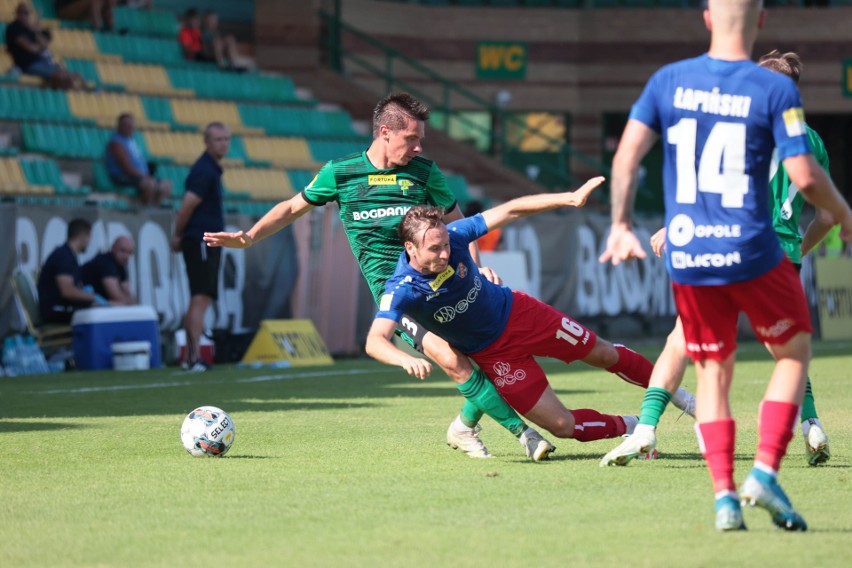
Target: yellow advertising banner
pixel 834 297
pixel 295 342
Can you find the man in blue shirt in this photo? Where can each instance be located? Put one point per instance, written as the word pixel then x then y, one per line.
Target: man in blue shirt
pixel 126 165
pixel 200 211
pixel 720 117
pixel 60 289
pixel 437 283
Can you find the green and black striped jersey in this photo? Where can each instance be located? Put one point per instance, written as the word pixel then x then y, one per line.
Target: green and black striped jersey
pixel 373 202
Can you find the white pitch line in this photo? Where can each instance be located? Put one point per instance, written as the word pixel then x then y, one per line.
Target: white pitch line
pixel 259 379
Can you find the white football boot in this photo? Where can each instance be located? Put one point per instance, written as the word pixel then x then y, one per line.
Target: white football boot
pixel 535 446
pixel 642 443
pixel 461 437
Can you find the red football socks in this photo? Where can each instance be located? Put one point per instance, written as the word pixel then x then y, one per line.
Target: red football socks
pixel 716 440
pixel 632 367
pixel 591 425
pixel 775 431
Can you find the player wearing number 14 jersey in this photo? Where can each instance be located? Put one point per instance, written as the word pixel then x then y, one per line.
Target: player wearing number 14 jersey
pixel 720 116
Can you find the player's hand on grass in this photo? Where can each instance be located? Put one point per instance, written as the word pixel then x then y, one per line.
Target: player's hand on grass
pixel 490 275
pixel 578 197
pixel 417 367
pixel 239 239
pixel 658 241
pixel 621 245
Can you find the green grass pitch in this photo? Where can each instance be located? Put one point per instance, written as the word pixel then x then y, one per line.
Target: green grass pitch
pixel 347 466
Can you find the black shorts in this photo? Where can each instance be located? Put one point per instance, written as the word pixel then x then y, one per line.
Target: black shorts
pixel 202 267
pixel 411 332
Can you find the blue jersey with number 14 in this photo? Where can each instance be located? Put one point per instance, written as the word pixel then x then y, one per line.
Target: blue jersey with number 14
pixel 719 122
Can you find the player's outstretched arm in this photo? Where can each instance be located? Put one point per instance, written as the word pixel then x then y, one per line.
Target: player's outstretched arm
pixel 486 272
pixel 381 348
pixel 504 214
pixel 275 219
pixel 815 185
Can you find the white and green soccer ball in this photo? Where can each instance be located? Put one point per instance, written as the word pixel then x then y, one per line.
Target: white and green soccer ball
pixel 207 431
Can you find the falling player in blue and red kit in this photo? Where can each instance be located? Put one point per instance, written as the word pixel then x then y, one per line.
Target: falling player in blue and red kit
pixel 720 116
pixel 437 283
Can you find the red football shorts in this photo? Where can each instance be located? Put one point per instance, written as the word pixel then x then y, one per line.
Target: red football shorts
pixel 774 303
pixel 533 329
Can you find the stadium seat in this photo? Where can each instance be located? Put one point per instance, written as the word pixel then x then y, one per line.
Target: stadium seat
pixel 281 152
pixel 104 108
pixel 145 22
pixel 258 183
pixel 200 113
pixel 139 78
pixel 13 180
pixel 140 49
pixel 325 150
pixel 46 173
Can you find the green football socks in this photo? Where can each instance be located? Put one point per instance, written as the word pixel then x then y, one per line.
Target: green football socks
pixel 808 405
pixel 653 405
pixel 483 397
pixel 470 414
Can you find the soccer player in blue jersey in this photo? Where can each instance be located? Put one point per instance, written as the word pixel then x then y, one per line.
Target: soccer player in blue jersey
pixel 671 364
pixel 720 116
pixel 437 283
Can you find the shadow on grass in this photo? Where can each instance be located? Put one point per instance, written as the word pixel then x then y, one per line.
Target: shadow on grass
pixel 7 427
pixel 249 457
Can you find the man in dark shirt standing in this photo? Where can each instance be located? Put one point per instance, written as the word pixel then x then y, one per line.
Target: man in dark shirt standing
pixel 106 273
pixel 59 283
pixel 200 211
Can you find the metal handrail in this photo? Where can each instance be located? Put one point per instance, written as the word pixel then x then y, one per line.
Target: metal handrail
pixel 448 87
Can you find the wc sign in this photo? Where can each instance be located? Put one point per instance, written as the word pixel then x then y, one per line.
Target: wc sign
pixel 501 60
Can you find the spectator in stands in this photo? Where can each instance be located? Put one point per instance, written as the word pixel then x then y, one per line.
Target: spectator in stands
pixel 59 283
pixel 200 211
pixel 189 37
pixel 99 12
pixel 106 273
pixel 27 44
pixel 221 48
pixel 126 165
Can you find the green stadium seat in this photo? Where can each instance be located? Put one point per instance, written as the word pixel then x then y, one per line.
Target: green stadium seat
pixel 145 22
pixel 46 172
pixel 300 179
pixel 458 185
pixel 142 49
pixel 85 68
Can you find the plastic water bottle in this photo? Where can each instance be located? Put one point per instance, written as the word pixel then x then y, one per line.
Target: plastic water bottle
pixel 34 359
pixel 10 357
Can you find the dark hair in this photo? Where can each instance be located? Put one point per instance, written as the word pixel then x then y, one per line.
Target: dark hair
pixel 414 220
pixel 190 13
pixel 394 109
pixel 789 63
pixel 78 227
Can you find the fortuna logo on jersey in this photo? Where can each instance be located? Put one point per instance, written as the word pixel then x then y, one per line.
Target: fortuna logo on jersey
pixel 505 376
pixel 446 314
pixel 441 278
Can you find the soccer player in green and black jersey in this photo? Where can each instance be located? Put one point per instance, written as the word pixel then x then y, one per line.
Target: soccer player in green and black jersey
pixel 787 205
pixel 374 189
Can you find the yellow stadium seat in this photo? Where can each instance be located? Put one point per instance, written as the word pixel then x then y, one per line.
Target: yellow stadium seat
pixel 292 153
pixel 77 43
pixel 260 184
pixel 182 147
pixel 200 113
pixel 148 79
pixel 104 108
pixel 13 181
pixel 7 9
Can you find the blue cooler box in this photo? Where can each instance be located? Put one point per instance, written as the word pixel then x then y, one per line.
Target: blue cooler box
pixel 96 329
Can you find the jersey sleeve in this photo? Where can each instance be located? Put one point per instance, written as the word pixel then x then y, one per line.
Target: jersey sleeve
pixel 394 302
pixel 468 229
pixel 323 188
pixel 818 148
pixel 66 265
pixel 645 109
pixel 788 120
pixel 438 192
